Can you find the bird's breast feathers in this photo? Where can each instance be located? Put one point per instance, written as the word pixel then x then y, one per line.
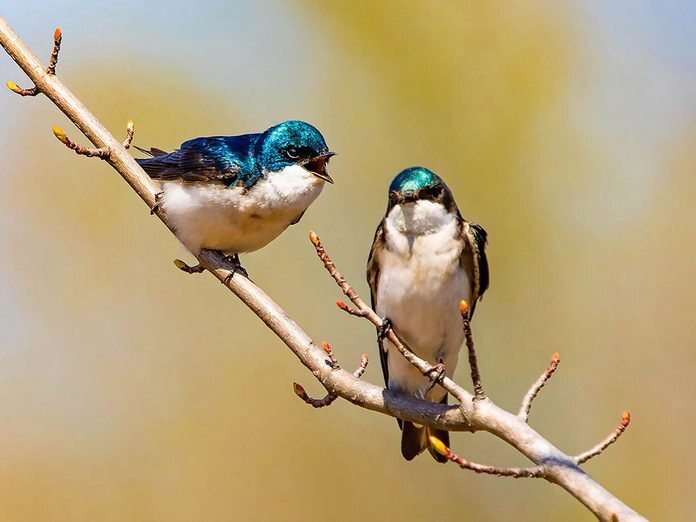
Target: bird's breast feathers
pixel 236 219
pixel 420 285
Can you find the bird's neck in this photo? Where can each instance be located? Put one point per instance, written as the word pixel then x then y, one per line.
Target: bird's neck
pixel 420 218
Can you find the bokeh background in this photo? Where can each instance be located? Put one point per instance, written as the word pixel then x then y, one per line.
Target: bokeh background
pixel 130 391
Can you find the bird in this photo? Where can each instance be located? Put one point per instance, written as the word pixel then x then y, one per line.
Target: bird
pixel 425 259
pixel 236 194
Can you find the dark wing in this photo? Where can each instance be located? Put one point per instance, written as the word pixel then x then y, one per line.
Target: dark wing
pixel 200 159
pixel 474 260
pixel 373 280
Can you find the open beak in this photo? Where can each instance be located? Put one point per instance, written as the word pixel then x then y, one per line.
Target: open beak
pixel 317 166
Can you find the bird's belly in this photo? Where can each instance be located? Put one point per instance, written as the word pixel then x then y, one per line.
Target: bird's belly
pixel 422 300
pixel 225 219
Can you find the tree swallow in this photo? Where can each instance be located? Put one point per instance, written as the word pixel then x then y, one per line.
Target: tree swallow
pixel 425 259
pixel 236 194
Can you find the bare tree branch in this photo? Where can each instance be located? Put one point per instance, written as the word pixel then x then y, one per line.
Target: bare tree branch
pixel 537 386
pixel 469 415
pixel 530 472
pixel 329 398
pixel 611 439
pixel 479 393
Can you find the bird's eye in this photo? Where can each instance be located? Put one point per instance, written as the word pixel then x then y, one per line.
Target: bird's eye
pixel 292 153
pixel 433 192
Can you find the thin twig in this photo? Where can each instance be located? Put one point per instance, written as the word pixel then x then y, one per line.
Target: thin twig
pixel 526 406
pixel 479 393
pixel 329 398
pixel 611 439
pixel 91 152
pixel 528 472
pixel 50 70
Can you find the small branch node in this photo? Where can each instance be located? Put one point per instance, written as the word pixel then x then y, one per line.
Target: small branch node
pixel 611 439
pixel 529 397
pixel 130 131
pixel 529 472
pixel 349 310
pixel 334 362
pixel 50 70
pixel 196 269
pixel 53 61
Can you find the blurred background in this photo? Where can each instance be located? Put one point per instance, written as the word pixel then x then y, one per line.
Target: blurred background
pixel 131 391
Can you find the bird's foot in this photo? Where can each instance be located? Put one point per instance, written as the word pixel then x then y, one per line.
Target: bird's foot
pixel 383 330
pixel 436 374
pixel 157 205
pixel 235 268
pixel 196 269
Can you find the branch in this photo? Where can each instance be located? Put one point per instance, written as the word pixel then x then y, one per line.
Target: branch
pixel 558 467
pixel 530 472
pixel 329 398
pixel 537 386
pixel 479 393
pixel 611 439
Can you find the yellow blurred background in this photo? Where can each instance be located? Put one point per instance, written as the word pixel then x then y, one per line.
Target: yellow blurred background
pixel 131 391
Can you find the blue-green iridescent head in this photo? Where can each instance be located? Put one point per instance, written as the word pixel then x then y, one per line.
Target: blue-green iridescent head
pixel 418 183
pixel 293 143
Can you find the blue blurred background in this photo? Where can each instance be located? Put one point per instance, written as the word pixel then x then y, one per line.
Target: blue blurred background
pixel 130 391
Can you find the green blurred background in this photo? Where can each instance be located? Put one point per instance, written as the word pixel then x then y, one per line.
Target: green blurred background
pixel 130 391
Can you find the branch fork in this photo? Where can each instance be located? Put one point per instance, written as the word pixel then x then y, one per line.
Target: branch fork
pixel 329 398
pixel 91 152
pixel 50 70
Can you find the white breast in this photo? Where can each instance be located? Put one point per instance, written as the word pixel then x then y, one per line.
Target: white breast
pixel 420 286
pixel 236 220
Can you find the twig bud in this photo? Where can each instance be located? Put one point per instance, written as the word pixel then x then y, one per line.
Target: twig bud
pixel 439 446
pixel 299 390
pixel 343 306
pixel 180 264
pixel 626 419
pixel 13 87
pixel 327 347
pixel 313 238
pixel 60 134
pixel 463 307
pixel 57 34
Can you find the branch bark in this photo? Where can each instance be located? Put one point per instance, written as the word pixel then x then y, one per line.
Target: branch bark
pixel 469 415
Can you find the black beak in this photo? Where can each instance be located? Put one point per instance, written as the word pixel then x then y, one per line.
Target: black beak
pixel 409 196
pixel 317 166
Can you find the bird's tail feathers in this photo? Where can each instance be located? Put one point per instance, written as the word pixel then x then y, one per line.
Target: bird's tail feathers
pixel 415 440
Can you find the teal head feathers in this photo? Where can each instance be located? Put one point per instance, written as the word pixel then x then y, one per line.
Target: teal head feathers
pixel 293 143
pixel 418 183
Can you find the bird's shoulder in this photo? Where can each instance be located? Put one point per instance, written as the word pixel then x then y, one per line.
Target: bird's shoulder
pixel 373 271
pixel 473 258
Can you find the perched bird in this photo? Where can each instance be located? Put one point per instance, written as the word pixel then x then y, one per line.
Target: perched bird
pixel 425 259
pixel 236 194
